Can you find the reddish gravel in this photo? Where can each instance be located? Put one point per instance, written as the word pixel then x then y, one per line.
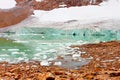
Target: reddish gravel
pixel 105 65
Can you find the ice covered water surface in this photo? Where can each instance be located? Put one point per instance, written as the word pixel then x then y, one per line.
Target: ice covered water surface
pixel 33 43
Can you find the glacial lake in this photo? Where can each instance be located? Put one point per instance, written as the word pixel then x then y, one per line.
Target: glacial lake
pixel 33 43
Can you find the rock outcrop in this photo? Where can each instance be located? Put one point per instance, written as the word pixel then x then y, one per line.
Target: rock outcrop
pixel 16 14
pixel 51 4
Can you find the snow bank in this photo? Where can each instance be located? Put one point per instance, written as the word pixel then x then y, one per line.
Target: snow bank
pixel 106 10
pixel 111 3
pixel 5 4
pixel 78 13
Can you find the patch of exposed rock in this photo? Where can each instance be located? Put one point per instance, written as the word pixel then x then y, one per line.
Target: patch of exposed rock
pixel 16 14
pixel 52 4
pixel 105 65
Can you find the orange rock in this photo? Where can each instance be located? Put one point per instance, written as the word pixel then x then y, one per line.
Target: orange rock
pixel 16 14
pixel 52 4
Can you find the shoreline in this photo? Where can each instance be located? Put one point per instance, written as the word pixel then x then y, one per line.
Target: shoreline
pixel 33 21
pixel 104 65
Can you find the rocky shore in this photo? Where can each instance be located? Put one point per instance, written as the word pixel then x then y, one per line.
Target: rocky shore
pixel 104 65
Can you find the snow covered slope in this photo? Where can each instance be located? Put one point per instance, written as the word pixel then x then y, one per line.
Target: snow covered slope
pixel 111 2
pixel 5 4
pixel 107 13
pixel 106 10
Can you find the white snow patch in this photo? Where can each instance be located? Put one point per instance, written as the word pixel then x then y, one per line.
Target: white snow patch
pixel 88 13
pixel 44 63
pixel 5 4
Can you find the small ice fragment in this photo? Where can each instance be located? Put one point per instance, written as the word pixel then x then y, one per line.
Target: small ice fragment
pixel 20 59
pixel 43 36
pixel 3 49
pixel 51 51
pixel 90 58
pixel 75 55
pixel 38 49
pixel 14 53
pixel 44 63
pixel 13 49
pixel 20 41
pixel 37 54
pixel 58 63
pixel 75 59
pixel 44 56
pixel 51 59
pixel 3 55
pixel 83 52
pixel 26 59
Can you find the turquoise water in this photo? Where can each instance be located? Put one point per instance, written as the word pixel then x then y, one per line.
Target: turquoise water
pixel 46 43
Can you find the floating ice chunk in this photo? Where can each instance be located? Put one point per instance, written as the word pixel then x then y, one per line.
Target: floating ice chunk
pixel 76 55
pixel 3 49
pixel 58 63
pixel 51 59
pixel 44 56
pixel 43 36
pixel 22 52
pixel 38 49
pixel 2 55
pixel 26 59
pixel 1 59
pixel 18 41
pixel 44 63
pixel 35 58
pixel 51 51
pixel 20 58
pixel 17 53
pixel 13 49
pixel 37 54
pixel 13 53
pixel 80 41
